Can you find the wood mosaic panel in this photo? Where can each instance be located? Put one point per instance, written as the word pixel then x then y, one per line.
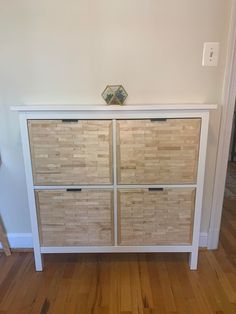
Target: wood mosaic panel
pixel 158 152
pixel 156 217
pixel 75 218
pixel 67 153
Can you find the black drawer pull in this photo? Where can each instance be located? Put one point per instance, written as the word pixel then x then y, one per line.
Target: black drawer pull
pixel 69 120
pixel 73 190
pixel 158 120
pixel 155 189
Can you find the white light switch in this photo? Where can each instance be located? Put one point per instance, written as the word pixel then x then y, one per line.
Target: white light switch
pixel 210 54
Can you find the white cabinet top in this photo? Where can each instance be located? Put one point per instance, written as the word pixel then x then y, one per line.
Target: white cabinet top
pixel 109 108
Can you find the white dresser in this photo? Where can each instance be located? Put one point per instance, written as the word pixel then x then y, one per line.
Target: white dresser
pixel 115 178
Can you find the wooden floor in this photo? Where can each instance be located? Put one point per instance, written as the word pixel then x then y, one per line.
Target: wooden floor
pixel 124 283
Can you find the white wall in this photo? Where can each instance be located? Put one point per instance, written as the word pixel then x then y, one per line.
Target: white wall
pixel 65 52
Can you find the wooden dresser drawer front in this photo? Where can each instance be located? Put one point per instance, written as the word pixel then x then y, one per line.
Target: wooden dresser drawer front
pixel 158 152
pixel 75 218
pixel 156 217
pixel 71 152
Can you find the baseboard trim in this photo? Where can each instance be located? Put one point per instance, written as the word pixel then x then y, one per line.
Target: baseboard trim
pixel 20 240
pixel 25 240
pixel 203 239
pixel 213 239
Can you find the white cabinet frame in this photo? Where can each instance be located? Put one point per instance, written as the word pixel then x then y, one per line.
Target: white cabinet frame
pixel 113 113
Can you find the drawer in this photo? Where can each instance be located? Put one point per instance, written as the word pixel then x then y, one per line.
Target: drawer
pixel 67 153
pixel 158 152
pixel 75 218
pixel 156 217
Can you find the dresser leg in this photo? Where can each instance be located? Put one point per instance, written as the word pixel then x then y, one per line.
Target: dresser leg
pixel 193 258
pixel 38 258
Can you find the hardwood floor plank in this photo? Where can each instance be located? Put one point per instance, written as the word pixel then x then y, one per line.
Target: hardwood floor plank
pixel 125 287
pixel 165 283
pixel 180 293
pixel 222 277
pixel 157 291
pixel 137 301
pixel 115 286
pixel 200 297
pixel 146 292
pixel 212 287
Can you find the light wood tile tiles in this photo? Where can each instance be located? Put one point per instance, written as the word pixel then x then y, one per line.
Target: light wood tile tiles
pixel 156 152
pixel 71 153
pixel 156 217
pixel 75 218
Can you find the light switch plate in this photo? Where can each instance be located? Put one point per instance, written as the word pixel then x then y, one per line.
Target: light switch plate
pixel 210 55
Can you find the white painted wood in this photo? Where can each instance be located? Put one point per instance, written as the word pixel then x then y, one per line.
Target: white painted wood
pixel 147 107
pixel 115 114
pixel 120 186
pixel 31 197
pixel 116 249
pixel 199 190
pixel 203 239
pixel 115 181
pixel 64 187
pixel 164 186
pixel 161 111
pixel 228 101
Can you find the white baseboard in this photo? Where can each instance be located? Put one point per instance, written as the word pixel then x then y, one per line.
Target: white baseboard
pixel 213 239
pixel 203 239
pixel 25 241
pixel 20 240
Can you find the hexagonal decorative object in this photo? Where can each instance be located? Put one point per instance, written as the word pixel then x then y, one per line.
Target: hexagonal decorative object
pixel 114 95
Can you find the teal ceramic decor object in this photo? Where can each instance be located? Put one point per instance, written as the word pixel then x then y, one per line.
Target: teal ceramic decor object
pixel 114 95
